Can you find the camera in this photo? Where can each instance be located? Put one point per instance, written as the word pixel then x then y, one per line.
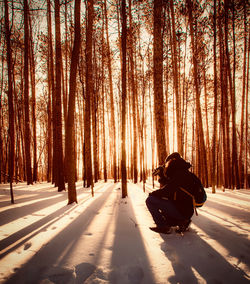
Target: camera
pixel 158 171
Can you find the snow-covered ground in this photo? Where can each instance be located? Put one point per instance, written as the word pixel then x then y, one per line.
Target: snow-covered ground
pixel 106 239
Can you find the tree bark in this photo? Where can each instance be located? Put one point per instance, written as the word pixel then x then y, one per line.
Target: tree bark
pixel 243 97
pixel 178 111
pixel 124 94
pixel 201 151
pixel 234 160
pixel 213 172
pixel 1 111
pixel 26 94
pixel 158 82
pixel 94 116
pixel 10 102
pixel 58 154
pixel 33 101
pixel 89 94
pixel 134 94
pixel 51 94
pixel 111 94
pixel 70 154
pixel 246 180
pixel 224 105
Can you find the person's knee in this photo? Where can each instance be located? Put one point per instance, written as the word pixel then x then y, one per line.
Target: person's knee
pixel 150 200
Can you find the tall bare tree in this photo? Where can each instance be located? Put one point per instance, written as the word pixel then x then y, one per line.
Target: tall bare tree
pixel 51 93
pixel 26 94
pixel 134 92
pixel 89 93
pixel 111 93
pixel 124 94
pixel 10 100
pixel 234 160
pixel 33 100
pixel 224 109
pixel 243 96
pixel 70 135
pixel 176 80
pixel 246 175
pixel 57 118
pixel 213 172
pixel 200 146
pixel 158 81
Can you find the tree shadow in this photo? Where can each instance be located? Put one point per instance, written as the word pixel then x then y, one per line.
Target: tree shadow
pixel 244 195
pixel 42 264
pixel 227 238
pixel 130 263
pixel 236 213
pixel 47 221
pixel 193 259
pixel 17 200
pixel 12 214
pixel 98 247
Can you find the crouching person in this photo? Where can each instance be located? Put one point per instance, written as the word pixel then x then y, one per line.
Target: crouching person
pixel 170 206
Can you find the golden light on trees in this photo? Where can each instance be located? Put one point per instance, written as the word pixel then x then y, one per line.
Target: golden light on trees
pixel 186 90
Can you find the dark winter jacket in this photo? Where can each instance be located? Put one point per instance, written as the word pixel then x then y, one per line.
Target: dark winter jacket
pixel 178 175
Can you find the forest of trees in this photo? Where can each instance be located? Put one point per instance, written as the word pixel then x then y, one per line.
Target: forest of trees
pixel 107 89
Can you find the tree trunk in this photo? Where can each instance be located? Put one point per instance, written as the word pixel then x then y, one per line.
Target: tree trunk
pixel 104 157
pixel 201 151
pixel 70 155
pixel 10 101
pixel 104 138
pixel 124 94
pixel 111 94
pixel 1 110
pixel 213 172
pixel 89 94
pixel 66 61
pixel 49 134
pixel 234 160
pixel 176 83
pixel 158 82
pixel 243 97
pixel 208 152
pixel 134 94
pixel 94 115
pixel 224 106
pixel 51 94
pixel 33 102
pixel 26 94
pixel 246 180
pixel 58 154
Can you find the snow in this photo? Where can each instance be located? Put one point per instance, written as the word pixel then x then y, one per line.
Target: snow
pixel 106 239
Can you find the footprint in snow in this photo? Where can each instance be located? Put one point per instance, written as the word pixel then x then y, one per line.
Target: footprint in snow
pixel 27 246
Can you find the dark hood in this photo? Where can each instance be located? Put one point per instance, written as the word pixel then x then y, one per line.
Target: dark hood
pixel 175 165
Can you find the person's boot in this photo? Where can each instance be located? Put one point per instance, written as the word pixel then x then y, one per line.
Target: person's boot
pixel 183 226
pixel 162 229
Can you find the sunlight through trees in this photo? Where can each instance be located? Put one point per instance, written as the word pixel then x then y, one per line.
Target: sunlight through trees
pixel 108 90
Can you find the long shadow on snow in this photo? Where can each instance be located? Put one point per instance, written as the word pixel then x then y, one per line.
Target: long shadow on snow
pixel 99 247
pixel 43 224
pixel 12 214
pixel 18 195
pixel 18 200
pixel 227 238
pixel 244 196
pixel 129 261
pixel 199 258
pixel 241 215
pixel 34 270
